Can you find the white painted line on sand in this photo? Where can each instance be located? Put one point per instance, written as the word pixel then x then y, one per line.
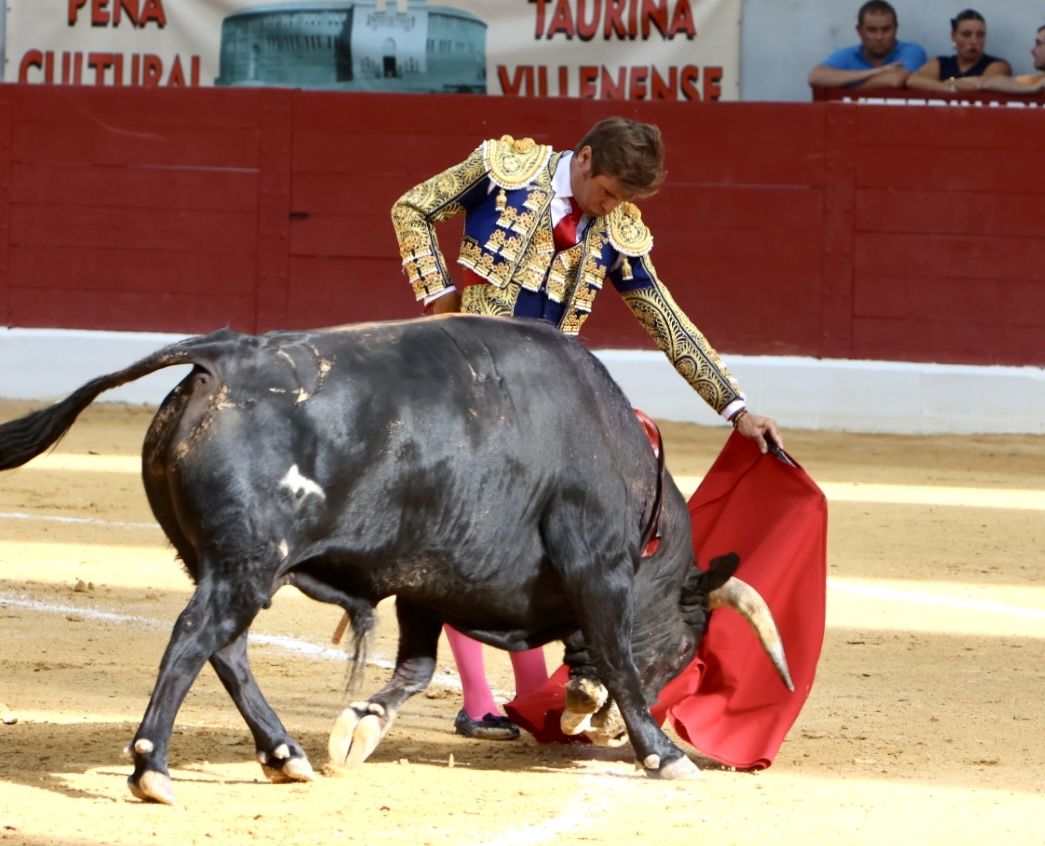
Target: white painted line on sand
pixel 918 597
pixel 82 521
pixel 287 644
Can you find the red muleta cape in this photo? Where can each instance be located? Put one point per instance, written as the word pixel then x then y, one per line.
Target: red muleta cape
pixel 729 702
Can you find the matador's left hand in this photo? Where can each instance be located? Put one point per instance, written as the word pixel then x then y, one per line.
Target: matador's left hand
pixel 758 428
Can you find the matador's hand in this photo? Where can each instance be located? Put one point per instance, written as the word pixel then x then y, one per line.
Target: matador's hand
pixel 757 427
pixel 446 304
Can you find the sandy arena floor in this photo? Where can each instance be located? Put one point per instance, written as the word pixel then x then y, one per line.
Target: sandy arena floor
pixel 926 724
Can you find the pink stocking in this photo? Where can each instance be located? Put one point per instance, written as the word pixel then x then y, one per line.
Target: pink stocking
pixel 468 655
pixel 530 670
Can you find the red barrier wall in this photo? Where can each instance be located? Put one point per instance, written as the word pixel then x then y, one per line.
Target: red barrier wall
pixel 820 229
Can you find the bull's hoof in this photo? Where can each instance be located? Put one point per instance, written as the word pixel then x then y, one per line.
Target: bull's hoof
pixel 356 733
pixel 573 723
pixel 607 727
pixel 677 770
pixel 607 741
pixel 152 786
pixel 584 697
pixel 280 766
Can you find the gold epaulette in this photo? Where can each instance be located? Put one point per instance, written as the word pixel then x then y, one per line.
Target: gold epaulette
pixel 626 231
pixel 513 164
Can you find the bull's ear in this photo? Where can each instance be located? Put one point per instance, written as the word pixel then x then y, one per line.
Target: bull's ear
pixel 719 571
pixel 698 583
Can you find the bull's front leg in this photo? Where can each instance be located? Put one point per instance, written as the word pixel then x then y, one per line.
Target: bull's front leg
pixel 281 757
pixel 606 620
pixel 360 727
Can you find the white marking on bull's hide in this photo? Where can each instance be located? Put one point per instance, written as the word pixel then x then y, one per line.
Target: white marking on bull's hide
pixel 277 390
pixel 281 752
pixel 285 355
pixel 284 550
pixel 143 746
pixel 300 486
pixel 302 396
pixel 325 365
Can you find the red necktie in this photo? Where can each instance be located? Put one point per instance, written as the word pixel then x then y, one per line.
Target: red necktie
pixel 565 232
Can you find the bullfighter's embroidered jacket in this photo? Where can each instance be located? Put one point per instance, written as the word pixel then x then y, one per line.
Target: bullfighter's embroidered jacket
pixel 504 190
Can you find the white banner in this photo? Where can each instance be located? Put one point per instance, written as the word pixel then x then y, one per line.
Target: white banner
pixel 597 49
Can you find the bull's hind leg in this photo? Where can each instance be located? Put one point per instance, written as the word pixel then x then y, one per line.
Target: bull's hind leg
pixel 281 757
pixel 218 612
pixel 360 727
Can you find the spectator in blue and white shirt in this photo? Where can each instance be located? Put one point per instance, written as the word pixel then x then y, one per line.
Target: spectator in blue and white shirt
pixel 880 60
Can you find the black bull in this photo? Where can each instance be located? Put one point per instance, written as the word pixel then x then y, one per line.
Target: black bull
pixel 486 472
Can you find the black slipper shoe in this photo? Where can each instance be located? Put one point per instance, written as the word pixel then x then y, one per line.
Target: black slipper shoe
pixel 490 727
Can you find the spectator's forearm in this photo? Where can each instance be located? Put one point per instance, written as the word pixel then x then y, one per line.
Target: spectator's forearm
pixel 926 83
pixel 1008 85
pixel 823 76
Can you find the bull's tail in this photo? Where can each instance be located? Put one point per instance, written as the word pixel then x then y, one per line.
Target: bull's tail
pixel 28 436
pixel 361 616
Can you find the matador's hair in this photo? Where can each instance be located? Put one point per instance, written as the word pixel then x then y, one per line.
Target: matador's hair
pixel 629 151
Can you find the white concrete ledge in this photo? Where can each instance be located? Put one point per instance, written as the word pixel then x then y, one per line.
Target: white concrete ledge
pixel 47 364
pixel 854 396
pixel 802 393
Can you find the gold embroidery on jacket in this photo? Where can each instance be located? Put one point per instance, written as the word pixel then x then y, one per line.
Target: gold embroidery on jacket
pixel 524 223
pixel 536 258
pixel 484 263
pixel 512 248
pixel 537 199
pixel 413 216
pixel 572 321
pixel 502 244
pixel 585 280
pixel 682 342
pixel 495 241
pixel 626 231
pixel 563 273
pixel 506 219
pixel 513 164
pixel 484 299
pixel 584 297
pixel 592 272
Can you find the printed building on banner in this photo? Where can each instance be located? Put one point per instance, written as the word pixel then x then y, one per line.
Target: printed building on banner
pixel 371 45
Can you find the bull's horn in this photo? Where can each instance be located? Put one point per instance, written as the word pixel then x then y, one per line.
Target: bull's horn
pixel 748 602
